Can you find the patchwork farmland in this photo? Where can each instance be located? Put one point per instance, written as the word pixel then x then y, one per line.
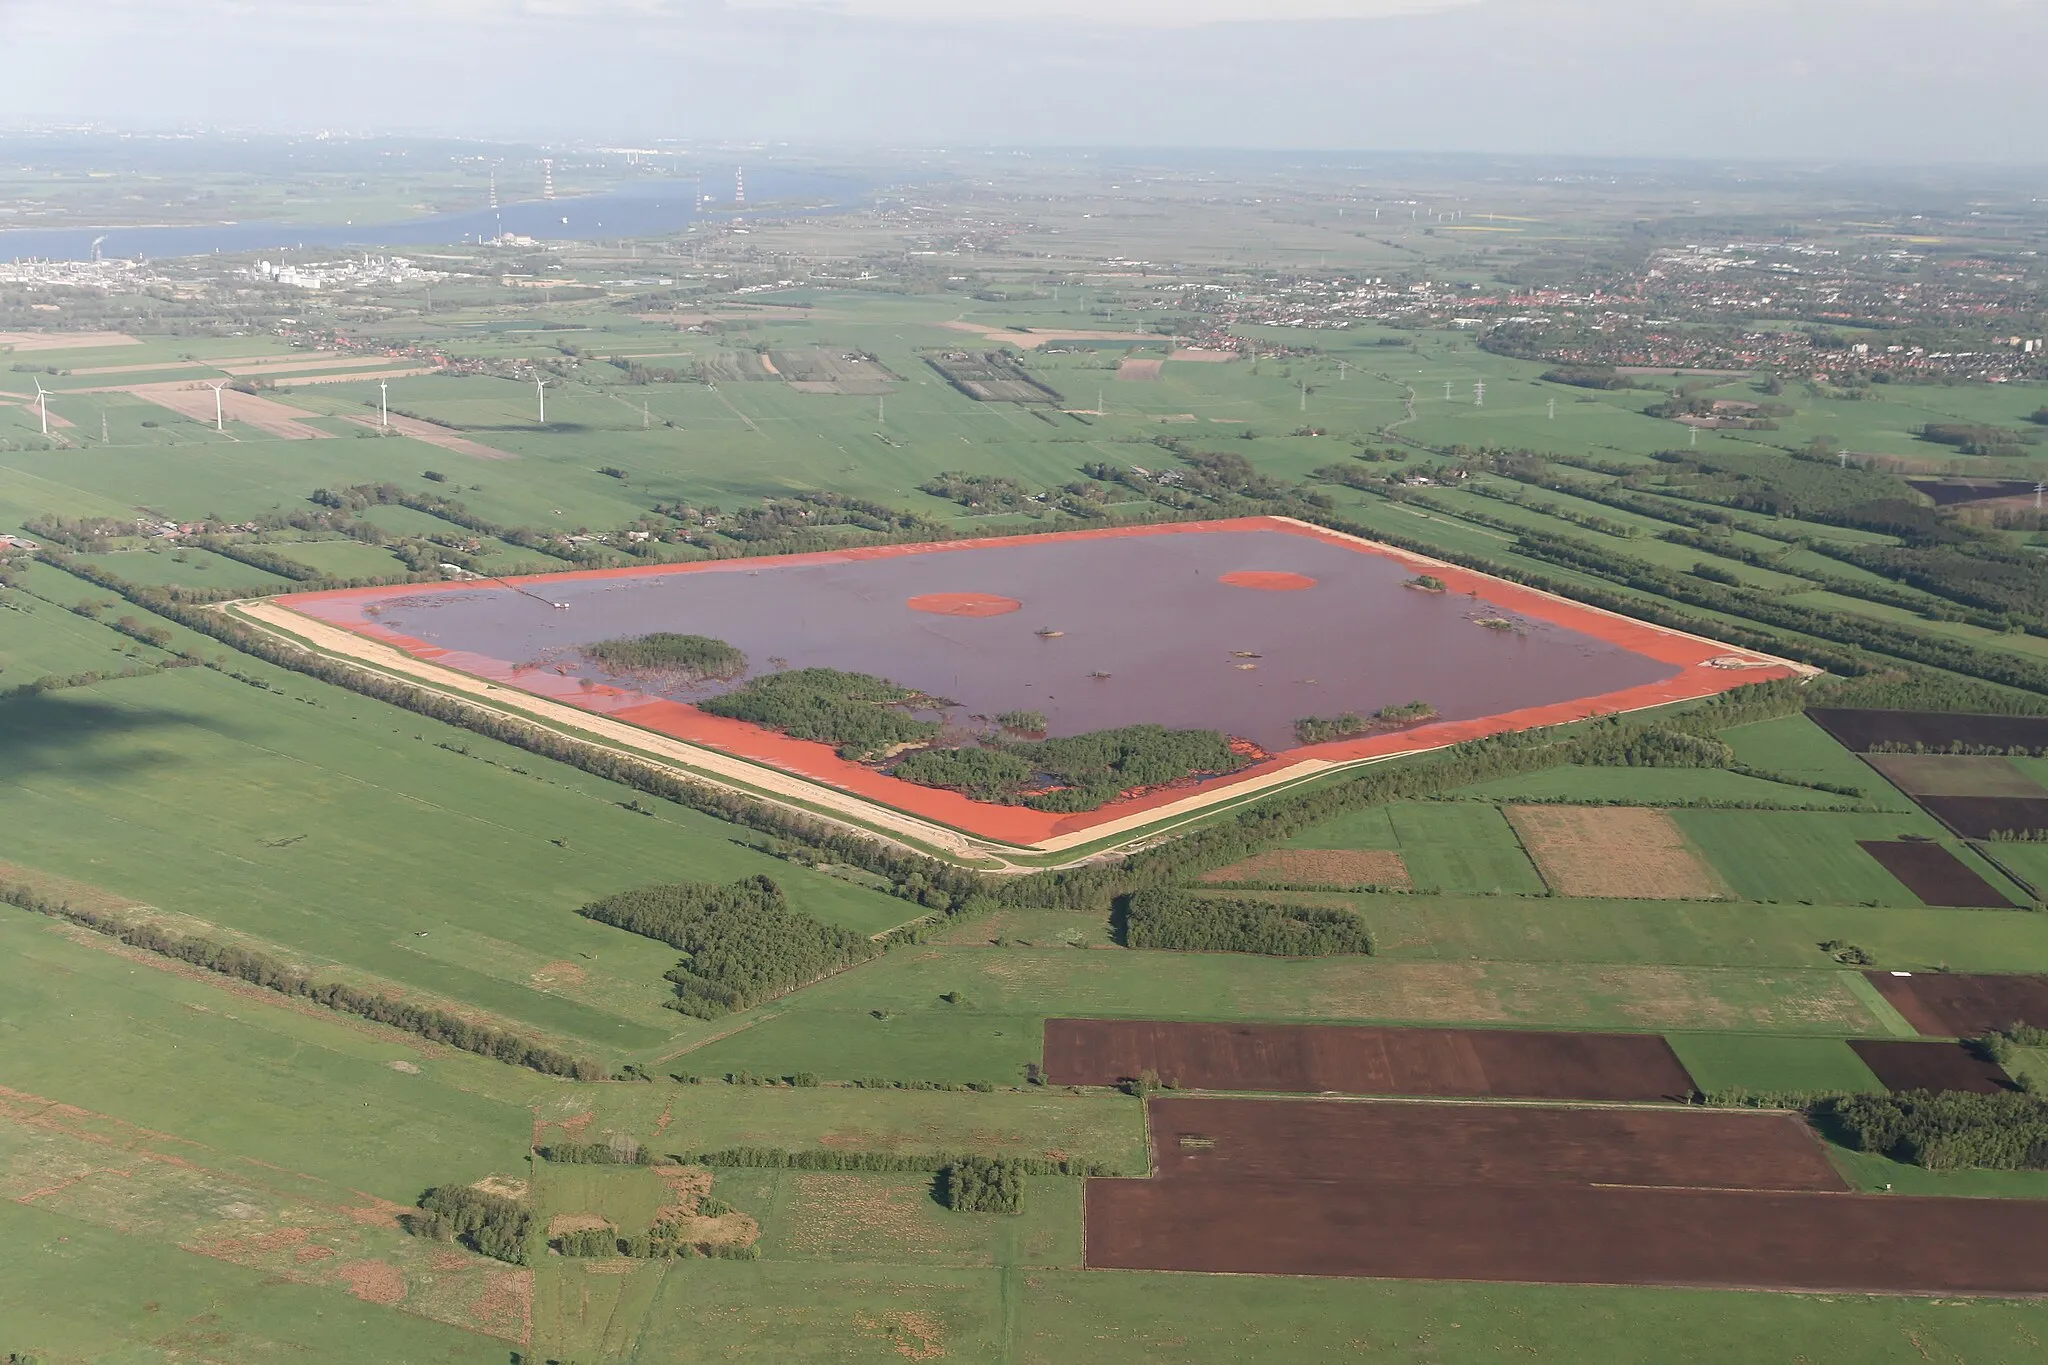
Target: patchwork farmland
pixel 1060 816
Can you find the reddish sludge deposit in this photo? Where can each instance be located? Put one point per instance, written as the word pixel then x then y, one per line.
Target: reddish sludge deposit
pixel 1125 625
pixel 1268 580
pixel 971 604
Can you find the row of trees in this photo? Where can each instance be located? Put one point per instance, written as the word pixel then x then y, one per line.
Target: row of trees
pixel 835 1159
pixel 1170 917
pixel 742 942
pixel 261 969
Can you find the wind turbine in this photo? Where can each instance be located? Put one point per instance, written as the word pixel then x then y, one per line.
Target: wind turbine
pixel 383 403
pixel 540 390
pixel 43 403
pixel 219 418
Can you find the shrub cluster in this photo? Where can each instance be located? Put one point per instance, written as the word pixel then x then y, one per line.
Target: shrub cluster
pixel 697 658
pixel 743 942
pixel 1077 773
pixel 1168 917
pixel 261 969
pixel 983 1184
pixel 489 1224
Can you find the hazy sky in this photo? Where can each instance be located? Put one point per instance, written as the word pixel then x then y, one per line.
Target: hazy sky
pixel 1920 80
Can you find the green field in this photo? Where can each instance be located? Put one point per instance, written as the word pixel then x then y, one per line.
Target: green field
pixel 1811 858
pixel 1453 847
pixel 1758 1062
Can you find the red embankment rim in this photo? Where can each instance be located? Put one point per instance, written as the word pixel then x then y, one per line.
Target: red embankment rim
pixel 964 604
pixel 1268 580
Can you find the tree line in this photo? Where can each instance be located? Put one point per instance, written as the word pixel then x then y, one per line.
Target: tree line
pixel 1174 918
pixel 261 969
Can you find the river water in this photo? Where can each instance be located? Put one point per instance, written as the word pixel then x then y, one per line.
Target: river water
pixel 648 209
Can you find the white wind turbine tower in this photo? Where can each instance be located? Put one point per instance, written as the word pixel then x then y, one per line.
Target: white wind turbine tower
pixel 43 404
pixel 540 391
pixel 219 417
pixel 383 403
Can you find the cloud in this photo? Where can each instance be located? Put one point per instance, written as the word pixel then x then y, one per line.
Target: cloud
pixel 1110 13
pixel 1925 80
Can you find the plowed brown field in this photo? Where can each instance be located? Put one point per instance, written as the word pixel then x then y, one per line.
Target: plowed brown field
pixel 1311 1058
pixel 1955 1005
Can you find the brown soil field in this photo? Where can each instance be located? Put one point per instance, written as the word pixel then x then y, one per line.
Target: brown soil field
pixel 298 380
pixel 1561 1234
pixel 1951 1005
pixel 439 436
pixel 1316 867
pixel 1859 729
pixel 1979 817
pixel 196 402
pixel 1313 1058
pixel 1954 775
pixel 1385 1143
pixel 63 341
pixel 1141 371
pixel 1905 1065
pixel 1614 851
pixel 1934 874
pixel 1032 338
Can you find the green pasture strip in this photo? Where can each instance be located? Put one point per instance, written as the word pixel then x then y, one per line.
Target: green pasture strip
pixel 343 559
pixel 1002 996
pixel 1760 1062
pixel 859 1217
pixel 821 1311
pixel 1654 787
pixel 627 1196
pixel 1809 857
pixel 303 1089
pixel 39 639
pixel 1370 829
pixel 2026 859
pixel 1689 933
pixel 1872 1174
pixel 589 1310
pixel 1880 1008
pixel 1036 1121
pixel 1463 847
pixel 182 567
pixel 1109 1318
pixel 1796 747
pixel 73 1291
pixel 470 831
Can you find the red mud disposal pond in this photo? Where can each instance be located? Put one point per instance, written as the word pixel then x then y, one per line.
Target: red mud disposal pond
pixel 1240 626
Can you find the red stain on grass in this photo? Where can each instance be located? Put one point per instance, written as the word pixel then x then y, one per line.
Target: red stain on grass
pixel 1268 580
pixel 1695 679
pixel 964 604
